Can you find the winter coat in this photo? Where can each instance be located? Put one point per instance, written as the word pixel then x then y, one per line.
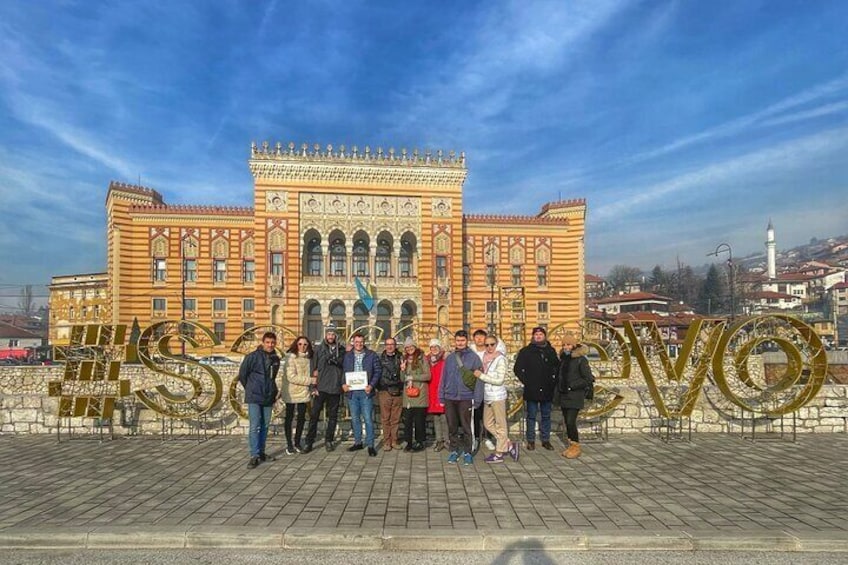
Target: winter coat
pixel 417 373
pixel 435 380
pixel 390 379
pixel 536 367
pixel 370 364
pixel 451 386
pixel 494 378
pixel 258 376
pixel 327 361
pixel 575 376
pixel 297 376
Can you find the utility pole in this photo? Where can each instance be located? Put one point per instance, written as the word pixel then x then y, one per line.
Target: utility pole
pixel 725 248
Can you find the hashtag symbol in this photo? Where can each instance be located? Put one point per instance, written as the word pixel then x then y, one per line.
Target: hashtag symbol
pixel 91 383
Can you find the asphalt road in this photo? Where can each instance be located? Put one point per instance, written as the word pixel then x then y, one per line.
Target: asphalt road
pixel 254 557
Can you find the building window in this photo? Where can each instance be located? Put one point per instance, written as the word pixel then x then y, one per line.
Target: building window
pixel 14 343
pixel 516 275
pixel 97 311
pixel 70 312
pixel 276 264
pixel 247 326
pixel 219 270
pixel 441 267
pixel 384 253
pixel 360 258
pixel 491 307
pixel 466 276
pixel 190 270
pixel 190 304
pixel 543 308
pixel 407 249
pixel 518 332
pixel 248 304
pixel 160 304
pixel 220 330
pixel 490 275
pixel 160 270
pixel 542 275
pixel 248 271
pixel 466 307
pixel 219 305
pixel 187 330
pixel 337 258
pixel 314 258
pixel 84 312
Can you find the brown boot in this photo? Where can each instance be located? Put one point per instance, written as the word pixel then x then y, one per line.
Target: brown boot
pixel 573 451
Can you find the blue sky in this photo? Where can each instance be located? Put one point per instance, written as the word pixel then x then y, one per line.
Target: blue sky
pixel 684 124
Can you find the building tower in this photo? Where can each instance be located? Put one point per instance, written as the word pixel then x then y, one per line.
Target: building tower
pixel 771 252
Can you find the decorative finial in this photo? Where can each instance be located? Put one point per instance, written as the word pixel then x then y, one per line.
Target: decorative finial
pixel 342 151
pixel 253 149
pixel 291 147
pixel 278 149
pixel 303 149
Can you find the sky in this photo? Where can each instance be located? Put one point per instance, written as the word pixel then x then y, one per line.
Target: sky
pixel 683 124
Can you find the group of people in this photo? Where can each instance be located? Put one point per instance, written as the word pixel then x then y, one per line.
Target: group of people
pixel 462 390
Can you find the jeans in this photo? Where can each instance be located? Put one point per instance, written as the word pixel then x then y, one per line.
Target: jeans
pixel 258 417
pixel 570 415
pixel 362 408
pixel 300 407
pixel 533 407
pixel 332 401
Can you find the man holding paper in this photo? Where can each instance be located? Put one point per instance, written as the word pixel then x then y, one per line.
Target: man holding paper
pixel 362 372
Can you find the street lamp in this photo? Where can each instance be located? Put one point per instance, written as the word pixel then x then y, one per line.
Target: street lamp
pixel 722 248
pixel 490 256
pixel 184 240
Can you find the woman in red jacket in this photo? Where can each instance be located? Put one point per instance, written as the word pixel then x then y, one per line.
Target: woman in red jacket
pixel 436 360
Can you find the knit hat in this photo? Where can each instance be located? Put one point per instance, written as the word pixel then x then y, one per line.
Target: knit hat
pixel 570 339
pixel 539 329
pixel 409 342
pixel 435 343
pixel 331 327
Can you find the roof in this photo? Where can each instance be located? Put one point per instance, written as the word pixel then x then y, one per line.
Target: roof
pixel 633 297
pixel 771 294
pixel 795 277
pixel 8 331
pixel 839 286
pixel 593 279
pixel 192 210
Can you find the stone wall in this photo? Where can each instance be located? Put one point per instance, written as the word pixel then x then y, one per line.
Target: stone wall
pixel 26 408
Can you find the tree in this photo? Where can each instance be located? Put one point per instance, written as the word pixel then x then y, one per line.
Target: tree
pixel 26 303
pixel 713 290
pixel 688 286
pixel 620 275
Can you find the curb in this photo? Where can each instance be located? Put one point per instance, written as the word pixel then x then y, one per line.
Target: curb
pixel 401 539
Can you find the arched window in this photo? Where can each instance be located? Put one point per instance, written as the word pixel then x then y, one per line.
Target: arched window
pixel 406 256
pixel 384 317
pixel 312 326
pixel 408 311
pixel 337 315
pixel 360 254
pixel 313 260
pixel 384 255
pixel 338 255
pixel 360 315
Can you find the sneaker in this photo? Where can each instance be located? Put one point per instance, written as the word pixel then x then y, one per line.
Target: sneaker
pixel 408 448
pixel 289 451
pixel 513 451
pixel 253 463
pixel 453 457
pixel 298 449
pixel 494 458
pixel 547 445
pixel 372 452
pixel 531 445
pixel 416 447
pixel 467 459
pixel 490 445
pixel 356 447
pixel 438 447
pixel 329 446
pixel 307 448
pixel 266 457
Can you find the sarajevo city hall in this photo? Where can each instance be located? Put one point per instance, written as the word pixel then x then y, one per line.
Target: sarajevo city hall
pixel 357 237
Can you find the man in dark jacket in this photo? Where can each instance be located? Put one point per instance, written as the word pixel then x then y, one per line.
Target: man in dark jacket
pixel 327 379
pixel 361 401
pixel 536 367
pixel 258 376
pixel 458 398
pixel 575 380
pixel 390 393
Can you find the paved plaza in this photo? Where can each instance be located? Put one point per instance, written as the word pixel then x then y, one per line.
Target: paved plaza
pixel 631 492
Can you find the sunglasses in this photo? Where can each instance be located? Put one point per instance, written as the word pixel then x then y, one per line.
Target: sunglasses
pixel 491 344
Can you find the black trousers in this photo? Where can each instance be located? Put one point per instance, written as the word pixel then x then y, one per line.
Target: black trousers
pixel 479 429
pixel 570 416
pixel 300 408
pixel 332 401
pixel 415 418
pixel 458 414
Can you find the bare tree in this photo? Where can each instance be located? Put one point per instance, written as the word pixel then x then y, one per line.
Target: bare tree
pixel 26 303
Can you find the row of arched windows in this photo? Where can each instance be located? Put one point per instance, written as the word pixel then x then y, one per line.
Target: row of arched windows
pixel 390 258
pixel 384 314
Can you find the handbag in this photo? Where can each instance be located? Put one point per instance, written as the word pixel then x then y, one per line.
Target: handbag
pixel 413 391
pixel 469 379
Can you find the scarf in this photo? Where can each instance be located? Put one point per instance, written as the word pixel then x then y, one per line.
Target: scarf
pixel 433 359
pixel 488 358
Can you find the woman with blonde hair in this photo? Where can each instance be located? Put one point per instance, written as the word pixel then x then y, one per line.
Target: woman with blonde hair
pixel 494 400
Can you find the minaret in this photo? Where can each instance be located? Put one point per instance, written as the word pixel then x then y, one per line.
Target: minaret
pixel 771 252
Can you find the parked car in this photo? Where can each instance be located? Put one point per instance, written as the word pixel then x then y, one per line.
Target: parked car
pixel 217 360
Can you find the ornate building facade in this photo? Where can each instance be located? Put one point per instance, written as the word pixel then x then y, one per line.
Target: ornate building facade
pixel 321 220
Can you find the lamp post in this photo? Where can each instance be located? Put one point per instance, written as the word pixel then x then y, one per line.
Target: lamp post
pixel 494 279
pixel 184 240
pixel 725 248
